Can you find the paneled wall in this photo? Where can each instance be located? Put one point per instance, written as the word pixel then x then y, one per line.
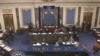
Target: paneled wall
pixel 7 11
pixel 70 16
pixel 71 13
pixel 26 14
pixel 17 1
pixel 98 20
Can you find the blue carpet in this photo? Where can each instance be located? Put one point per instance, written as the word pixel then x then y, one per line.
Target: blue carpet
pixel 21 42
pixel 87 40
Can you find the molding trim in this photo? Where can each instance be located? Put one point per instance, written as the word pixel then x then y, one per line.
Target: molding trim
pixel 48 0
pixel 43 2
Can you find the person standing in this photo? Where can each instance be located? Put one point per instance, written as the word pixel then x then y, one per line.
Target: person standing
pixel 83 26
pixel 88 27
pixel 11 35
pixel 30 27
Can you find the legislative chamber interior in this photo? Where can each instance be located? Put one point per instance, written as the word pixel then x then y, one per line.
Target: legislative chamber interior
pixel 50 28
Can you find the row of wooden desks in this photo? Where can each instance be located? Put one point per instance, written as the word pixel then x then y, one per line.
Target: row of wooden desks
pixel 52 39
pixel 96 32
pixel 96 46
pixel 4 45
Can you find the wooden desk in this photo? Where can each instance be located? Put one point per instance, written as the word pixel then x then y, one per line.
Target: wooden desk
pixel 22 30
pixel 96 47
pixel 49 38
pixel 96 32
pixel 97 36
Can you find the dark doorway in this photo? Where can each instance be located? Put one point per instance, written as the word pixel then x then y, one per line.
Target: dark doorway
pixel 8 21
pixel 87 20
pixel 87 17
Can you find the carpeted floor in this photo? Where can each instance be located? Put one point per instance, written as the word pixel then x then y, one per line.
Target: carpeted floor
pixel 86 39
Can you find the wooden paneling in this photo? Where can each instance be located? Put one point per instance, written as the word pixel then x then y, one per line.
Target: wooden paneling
pixel 8 21
pixel 87 17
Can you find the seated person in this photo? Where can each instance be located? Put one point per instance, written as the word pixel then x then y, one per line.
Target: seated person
pixel 59 41
pixel 40 30
pixel 74 28
pixel 56 30
pixel 62 29
pixel 70 27
pixel 67 29
pixel 46 29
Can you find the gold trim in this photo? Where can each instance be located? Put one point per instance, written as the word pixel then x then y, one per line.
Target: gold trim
pixel 47 0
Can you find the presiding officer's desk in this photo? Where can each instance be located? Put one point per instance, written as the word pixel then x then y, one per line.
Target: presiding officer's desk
pixel 52 38
pixel 47 37
pixel 46 42
pixel 38 39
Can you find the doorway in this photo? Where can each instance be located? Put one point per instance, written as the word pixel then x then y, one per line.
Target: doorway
pixel 8 21
pixel 87 20
pixel 87 17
